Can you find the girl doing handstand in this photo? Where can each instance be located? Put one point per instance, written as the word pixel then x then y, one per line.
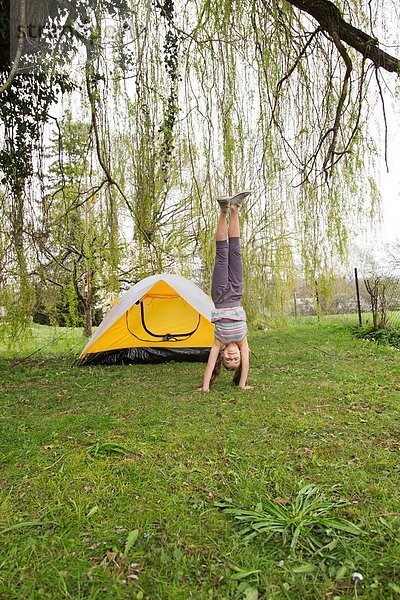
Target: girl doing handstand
pixel 230 347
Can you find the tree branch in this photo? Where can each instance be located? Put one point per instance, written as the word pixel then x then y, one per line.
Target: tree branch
pixel 20 47
pixel 330 19
pixel 339 109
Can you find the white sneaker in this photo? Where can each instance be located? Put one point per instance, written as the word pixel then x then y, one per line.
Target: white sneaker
pixel 224 202
pixel 239 197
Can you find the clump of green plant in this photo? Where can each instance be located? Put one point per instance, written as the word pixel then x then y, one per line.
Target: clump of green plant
pixel 103 448
pixel 385 335
pixel 307 523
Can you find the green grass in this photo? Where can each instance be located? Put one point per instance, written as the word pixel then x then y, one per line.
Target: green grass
pixel 113 479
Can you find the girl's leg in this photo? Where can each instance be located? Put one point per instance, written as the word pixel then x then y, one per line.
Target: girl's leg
pixel 221 233
pixel 234 224
pixel 220 278
pixel 235 269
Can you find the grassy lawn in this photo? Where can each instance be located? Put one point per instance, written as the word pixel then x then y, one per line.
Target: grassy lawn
pixel 111 477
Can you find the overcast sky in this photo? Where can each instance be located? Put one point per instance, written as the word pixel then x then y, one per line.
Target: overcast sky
pixel 388 34
pixel 390 182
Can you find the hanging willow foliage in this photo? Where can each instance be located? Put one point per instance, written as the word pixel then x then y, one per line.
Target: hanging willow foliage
pixel 186 100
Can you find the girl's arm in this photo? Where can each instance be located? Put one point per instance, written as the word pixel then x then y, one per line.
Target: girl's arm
pixel 212 359
pixel 244 351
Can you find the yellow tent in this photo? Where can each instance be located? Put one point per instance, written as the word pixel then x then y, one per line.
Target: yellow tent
pixel 161 318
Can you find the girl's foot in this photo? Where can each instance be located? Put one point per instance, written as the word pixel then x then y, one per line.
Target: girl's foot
pixel 238 198
pixel 224 202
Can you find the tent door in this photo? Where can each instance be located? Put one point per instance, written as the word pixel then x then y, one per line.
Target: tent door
pixel 163 337
pixel 166 337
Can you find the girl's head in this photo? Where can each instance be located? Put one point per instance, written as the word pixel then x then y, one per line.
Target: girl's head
pixel 230 358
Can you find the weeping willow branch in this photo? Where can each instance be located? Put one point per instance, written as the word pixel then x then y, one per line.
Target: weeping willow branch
pixel 384 118
pixel 345 150
pixel 333 26
pixel 92 100
pixel 330 19
pixel 293 68
pixel 339 109
pixel 298 59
